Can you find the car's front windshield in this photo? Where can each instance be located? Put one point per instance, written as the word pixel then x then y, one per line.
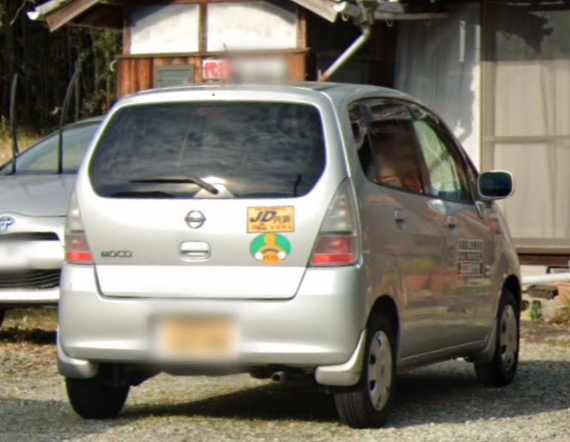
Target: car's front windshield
pixel 42 157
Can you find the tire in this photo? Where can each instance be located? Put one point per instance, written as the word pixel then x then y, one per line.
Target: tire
pixel 501 370
pixel 2 316
pixel 355 405
pixel 94 399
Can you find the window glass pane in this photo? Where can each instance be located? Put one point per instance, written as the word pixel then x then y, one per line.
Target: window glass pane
pixel 528 51
pixel 532 73
pixel 164 29
pixel 386 145
pixel 42 158
pixel 255 149
pixel 447 178
pixel 167 77
pixel 269 25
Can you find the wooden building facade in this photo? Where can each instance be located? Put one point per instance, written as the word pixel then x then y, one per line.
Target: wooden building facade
pixel 171 42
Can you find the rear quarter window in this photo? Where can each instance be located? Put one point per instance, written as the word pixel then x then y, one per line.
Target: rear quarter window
pixel 254 149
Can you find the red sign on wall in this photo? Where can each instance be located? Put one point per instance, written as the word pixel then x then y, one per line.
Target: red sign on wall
pixel 215 69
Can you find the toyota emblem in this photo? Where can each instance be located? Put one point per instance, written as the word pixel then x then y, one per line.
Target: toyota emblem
pixel 5 223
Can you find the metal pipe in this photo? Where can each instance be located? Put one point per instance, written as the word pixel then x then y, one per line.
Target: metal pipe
pixel 15 149
pixel 279 376
pixel 352 49
pixel 552 277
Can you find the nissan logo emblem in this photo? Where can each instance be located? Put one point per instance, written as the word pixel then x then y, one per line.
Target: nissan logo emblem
pixel 195 219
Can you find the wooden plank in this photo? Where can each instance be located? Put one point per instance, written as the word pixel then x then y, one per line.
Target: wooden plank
pixel 197 62
pixel 544 260
pixel 323 8
pixel 487 105
pixel 68 12
pixel 133 77
pixel 524 139
pixel 124 77
pixel 203 29
pixel 145 74
pixel 302 28
pixel 215 54
pixel 297 67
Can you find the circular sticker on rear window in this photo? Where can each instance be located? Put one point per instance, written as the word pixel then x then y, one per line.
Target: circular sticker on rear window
pixel 270 248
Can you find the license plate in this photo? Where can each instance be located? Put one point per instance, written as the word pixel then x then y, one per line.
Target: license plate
pixel 197 338
pixel 12 256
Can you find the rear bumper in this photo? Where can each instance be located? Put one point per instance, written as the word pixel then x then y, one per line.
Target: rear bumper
pixel 320 327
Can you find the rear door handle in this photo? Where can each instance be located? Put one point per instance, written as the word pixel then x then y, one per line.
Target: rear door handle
pixel 399 217
pixel 194 251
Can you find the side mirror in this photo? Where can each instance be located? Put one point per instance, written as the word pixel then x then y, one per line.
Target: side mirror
pixel 495 185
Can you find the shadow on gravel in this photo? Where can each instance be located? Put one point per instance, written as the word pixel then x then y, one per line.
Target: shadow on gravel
pixel 25 335
pixel 268 402
pixel 443 396
pixel 447 393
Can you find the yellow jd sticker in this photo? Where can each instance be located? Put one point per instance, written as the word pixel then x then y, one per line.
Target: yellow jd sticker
pixel 270 219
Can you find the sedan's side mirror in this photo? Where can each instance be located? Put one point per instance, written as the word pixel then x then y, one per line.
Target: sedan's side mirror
pixel 495 185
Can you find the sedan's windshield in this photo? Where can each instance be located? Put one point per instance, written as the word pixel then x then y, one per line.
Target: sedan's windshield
pixel 42 157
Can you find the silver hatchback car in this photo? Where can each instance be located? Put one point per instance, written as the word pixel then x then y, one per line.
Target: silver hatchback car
pixel 326 230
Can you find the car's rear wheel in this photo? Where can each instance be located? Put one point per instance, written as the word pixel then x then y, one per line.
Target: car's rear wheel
pixel 95 398
pixel 368 403
pixel 2 316
pixel 502 369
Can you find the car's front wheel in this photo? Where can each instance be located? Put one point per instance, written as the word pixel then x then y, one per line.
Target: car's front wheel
pixel 502 368
pixel 368 403
pixel 96 398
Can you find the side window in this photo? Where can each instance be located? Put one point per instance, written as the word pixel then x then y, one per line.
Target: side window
pixel 394 146
pixel 446 173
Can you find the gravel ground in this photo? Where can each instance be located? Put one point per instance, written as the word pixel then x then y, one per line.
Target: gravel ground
pixel 441 403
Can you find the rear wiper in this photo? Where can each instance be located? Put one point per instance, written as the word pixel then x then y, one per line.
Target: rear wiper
pixel 142 194
pixel 179 180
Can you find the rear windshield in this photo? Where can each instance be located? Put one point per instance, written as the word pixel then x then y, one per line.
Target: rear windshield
pixel 252 149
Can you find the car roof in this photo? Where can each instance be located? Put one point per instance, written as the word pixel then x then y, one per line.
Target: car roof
pixel 335 91
pixel 90 120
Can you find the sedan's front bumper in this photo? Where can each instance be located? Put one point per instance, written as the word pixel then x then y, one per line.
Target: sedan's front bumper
pixel 28 297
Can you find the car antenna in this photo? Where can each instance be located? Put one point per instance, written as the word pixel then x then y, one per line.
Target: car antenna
pixel 68 93
pixel 14 133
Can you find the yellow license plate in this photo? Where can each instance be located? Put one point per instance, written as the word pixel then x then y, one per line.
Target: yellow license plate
pixel 197 337
pixel 270 219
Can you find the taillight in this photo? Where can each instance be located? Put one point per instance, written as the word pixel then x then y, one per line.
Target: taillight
pixel 76 246
pixel 338 241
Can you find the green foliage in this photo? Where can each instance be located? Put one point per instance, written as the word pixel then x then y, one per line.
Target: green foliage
pixel 45 63
pixel 535 311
